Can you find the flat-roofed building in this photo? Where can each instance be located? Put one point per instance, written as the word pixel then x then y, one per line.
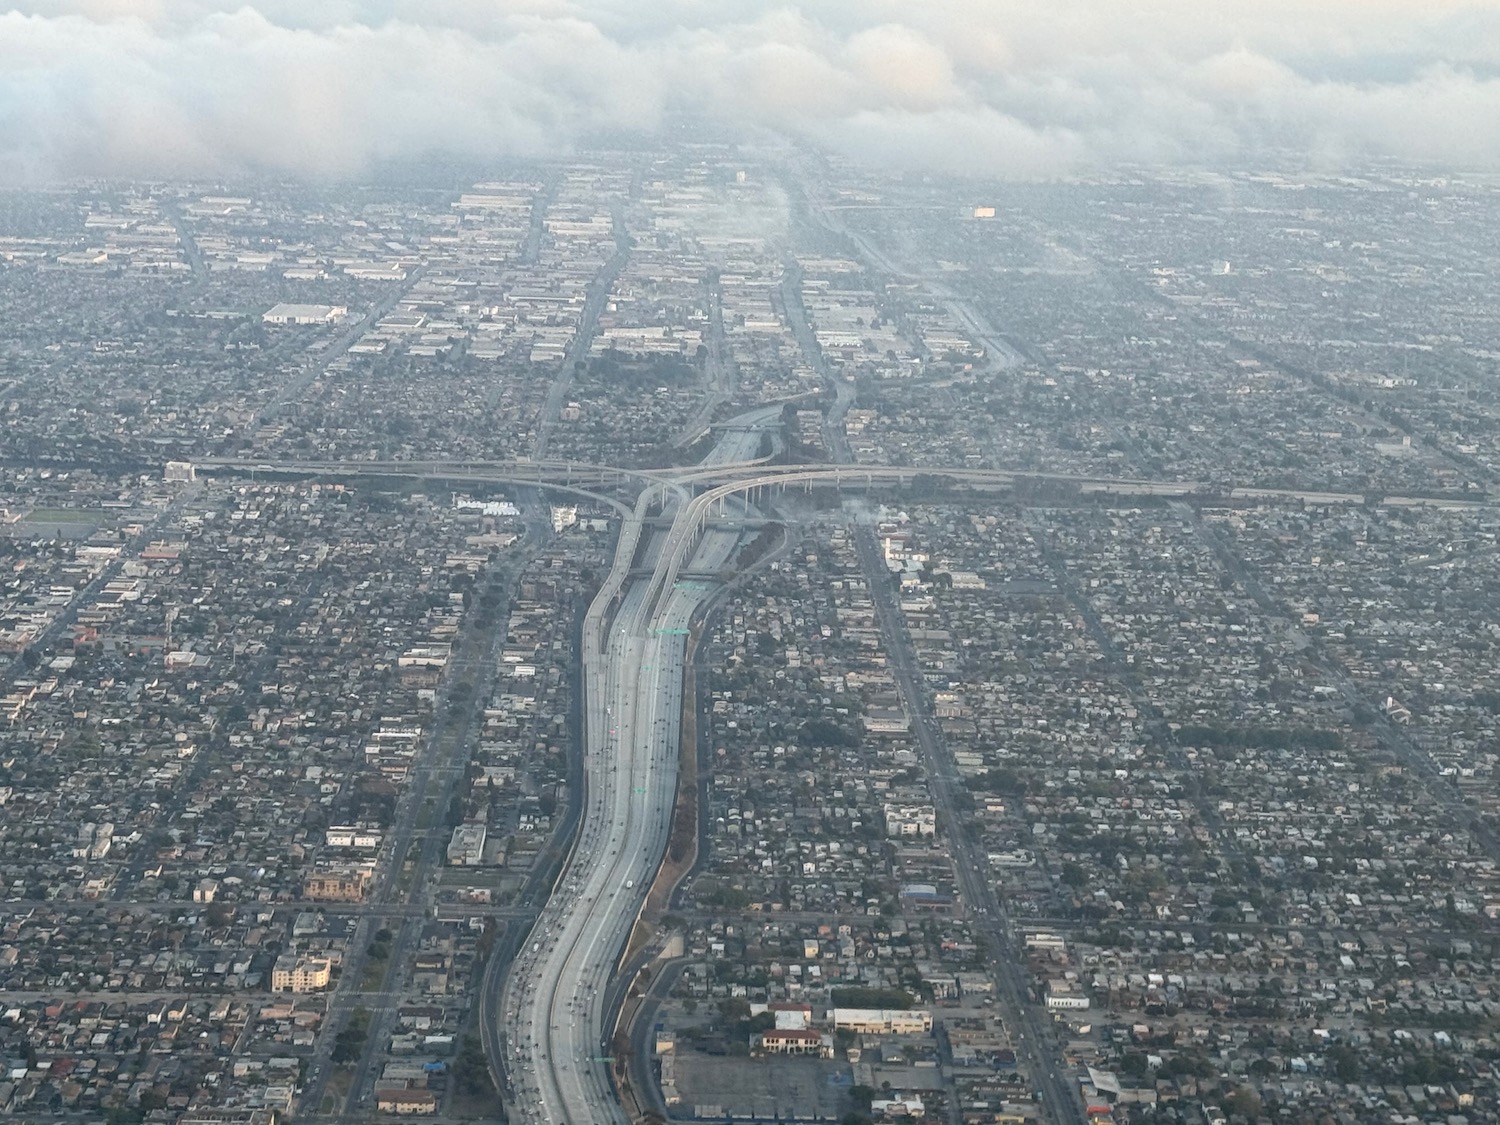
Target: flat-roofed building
pixel 883 1021
pixel 338 884
pixel 291 973
pixel 407 1103
pixel 466 848
pixel 284 314
pixel 795 1042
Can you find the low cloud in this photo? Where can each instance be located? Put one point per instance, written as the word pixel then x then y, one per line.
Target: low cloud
pixel 999 87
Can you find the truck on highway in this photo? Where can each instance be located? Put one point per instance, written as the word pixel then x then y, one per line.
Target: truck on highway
pixel 629 884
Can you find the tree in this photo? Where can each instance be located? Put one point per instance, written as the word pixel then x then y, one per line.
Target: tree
pixel 861 1097
pixel 1344 1060
pixel 350 1042
pixel 346 1047
pixel 153 1099
pixel 821 732
pixel 1243 1102
pixel 471 1069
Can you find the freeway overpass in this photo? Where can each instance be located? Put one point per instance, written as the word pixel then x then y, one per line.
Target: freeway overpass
pixel 552 1036
pixel 748 473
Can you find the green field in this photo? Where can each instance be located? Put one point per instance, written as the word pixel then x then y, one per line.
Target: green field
pixel 62 516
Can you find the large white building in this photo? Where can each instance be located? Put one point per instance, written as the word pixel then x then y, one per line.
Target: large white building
pixel 466 849
pixel 910 820
pixel 356 836
pixel 94 840
pixel 1065 995
pixel 285 314
pixel 795 1042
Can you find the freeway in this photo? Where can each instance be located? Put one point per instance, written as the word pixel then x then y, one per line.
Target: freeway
pixel 536 229
pixel 718 372
pixel 553 1037
pixel 748 471
pixel 1000 351
pixel 186 240
pixel 582 1088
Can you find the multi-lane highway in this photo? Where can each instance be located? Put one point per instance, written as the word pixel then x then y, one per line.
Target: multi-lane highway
pixel 588 323
pixel 749 471
pixel 553 1038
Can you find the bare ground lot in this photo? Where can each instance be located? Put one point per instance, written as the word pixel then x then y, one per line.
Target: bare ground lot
pixel 763 1089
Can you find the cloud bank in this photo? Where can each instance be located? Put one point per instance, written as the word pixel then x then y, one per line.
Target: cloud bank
pixel 995 87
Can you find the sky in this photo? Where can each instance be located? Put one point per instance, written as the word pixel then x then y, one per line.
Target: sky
pixel 1009 88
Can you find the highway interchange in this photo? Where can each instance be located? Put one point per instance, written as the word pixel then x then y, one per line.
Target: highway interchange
pixel 550 1048
pixel 554 1039
pixel 752 473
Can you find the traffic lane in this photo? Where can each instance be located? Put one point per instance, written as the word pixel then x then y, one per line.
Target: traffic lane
pixel 584 957
pixel 646 751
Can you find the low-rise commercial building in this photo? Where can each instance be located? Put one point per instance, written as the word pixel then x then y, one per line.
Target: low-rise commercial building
pixel 883 1021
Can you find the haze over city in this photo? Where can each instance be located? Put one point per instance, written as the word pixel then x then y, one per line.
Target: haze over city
pixel 993 87
pixel 892 564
